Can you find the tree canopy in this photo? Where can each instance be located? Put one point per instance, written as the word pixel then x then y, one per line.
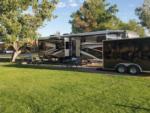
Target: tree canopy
pixel 94 15
pixel 134 26
pixel 16 25
pixel 144 14
pixel 20 19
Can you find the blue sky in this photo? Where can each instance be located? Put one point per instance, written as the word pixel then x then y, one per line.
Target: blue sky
pixel 66 7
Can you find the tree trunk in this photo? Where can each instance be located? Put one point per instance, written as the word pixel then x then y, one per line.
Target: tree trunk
pixel 15 54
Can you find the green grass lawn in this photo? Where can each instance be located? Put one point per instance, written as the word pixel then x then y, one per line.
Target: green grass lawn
pixel 31 90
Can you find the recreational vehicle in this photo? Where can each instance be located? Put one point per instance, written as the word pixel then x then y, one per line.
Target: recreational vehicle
pixel 86 46
pixel 112 49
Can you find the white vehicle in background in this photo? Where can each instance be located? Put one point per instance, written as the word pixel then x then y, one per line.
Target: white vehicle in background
pixel 9 52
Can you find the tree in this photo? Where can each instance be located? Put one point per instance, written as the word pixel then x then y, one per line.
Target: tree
pixel 94 15
pixel 17 27
pixel 132 25
pixel 144 14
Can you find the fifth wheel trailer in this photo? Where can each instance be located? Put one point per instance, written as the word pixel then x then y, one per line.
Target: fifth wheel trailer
pixel 127 55
pixel 86 46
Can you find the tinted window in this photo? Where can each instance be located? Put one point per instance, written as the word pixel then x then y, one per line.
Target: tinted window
pixel 67 45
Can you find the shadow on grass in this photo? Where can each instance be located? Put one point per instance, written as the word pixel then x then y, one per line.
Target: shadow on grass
pixel 52 67
pixel 70 68
pixel 133 107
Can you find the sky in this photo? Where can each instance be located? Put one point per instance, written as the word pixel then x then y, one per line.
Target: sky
pixel 66 7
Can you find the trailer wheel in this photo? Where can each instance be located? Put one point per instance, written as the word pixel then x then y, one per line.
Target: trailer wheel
pixel 134 70
pixel 121 68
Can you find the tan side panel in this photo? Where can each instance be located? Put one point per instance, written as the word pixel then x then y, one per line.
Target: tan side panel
pixel 78 43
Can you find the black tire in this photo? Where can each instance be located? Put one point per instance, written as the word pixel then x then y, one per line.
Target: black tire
pixel 121 68
pixel 134 70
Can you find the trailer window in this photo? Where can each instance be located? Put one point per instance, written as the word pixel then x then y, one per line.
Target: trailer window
pixel 100 38
pixel 83 39
pixel 67 45
pixel 41 46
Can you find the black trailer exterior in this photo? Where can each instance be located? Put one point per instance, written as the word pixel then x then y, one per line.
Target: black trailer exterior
pixel 127 55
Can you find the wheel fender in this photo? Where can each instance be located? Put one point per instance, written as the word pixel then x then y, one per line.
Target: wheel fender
pixel 129 64
pixel 121 64
pixel 138 66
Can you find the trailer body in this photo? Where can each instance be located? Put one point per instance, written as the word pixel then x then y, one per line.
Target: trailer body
pixel 50 48
pixel 128 52
pixel 86 46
